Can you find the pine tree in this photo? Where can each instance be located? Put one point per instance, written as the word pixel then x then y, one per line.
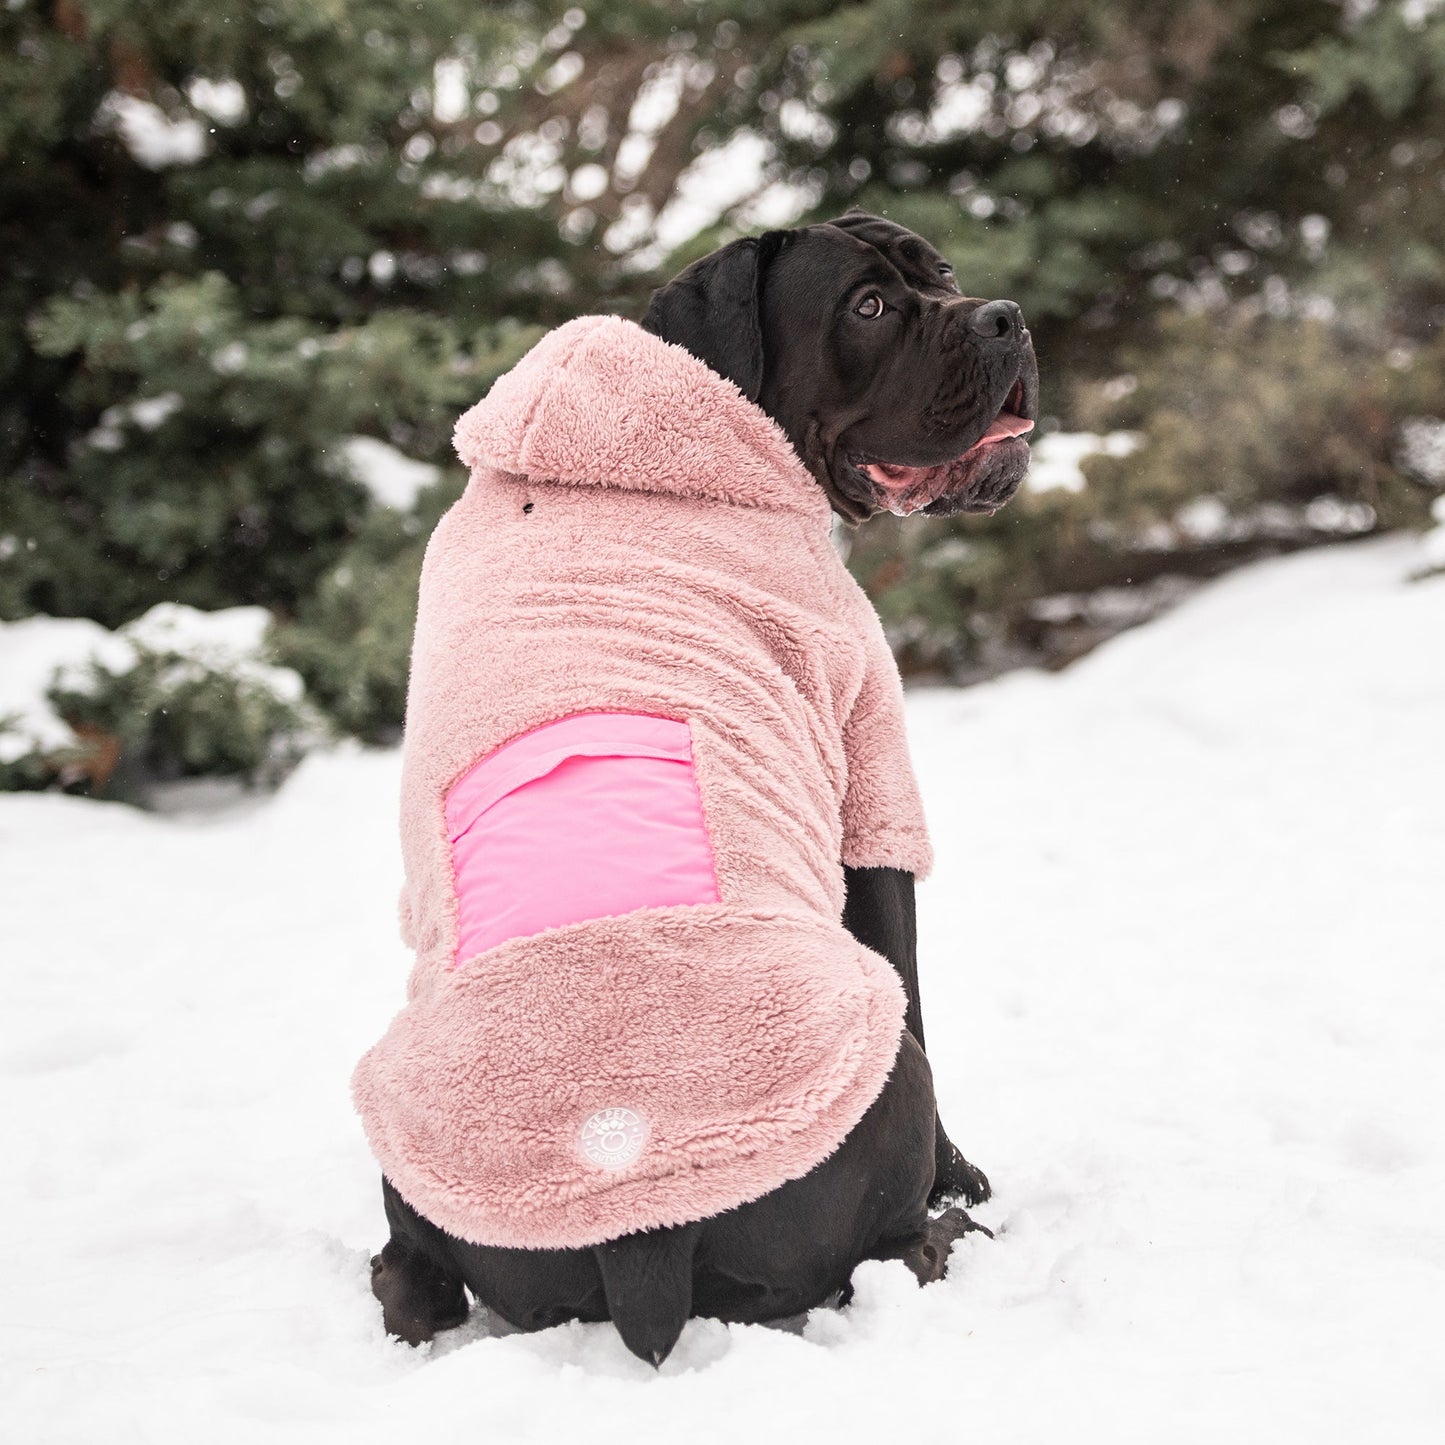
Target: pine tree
pixel 236 238
pixel 233 237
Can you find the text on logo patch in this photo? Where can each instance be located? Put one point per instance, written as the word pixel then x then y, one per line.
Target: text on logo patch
pixel 613 1138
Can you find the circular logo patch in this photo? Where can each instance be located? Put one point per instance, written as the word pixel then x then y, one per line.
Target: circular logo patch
pixel 613 1137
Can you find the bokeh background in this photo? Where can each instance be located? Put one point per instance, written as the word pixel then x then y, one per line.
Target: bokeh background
pixel 257 258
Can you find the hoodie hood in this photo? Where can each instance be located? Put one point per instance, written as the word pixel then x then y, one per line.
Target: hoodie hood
pixel 599 401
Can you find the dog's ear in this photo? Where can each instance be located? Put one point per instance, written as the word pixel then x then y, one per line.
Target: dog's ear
pixel 853 215
pixel 713 309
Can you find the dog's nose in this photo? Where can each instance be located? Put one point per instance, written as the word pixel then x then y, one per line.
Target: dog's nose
pixel 998 321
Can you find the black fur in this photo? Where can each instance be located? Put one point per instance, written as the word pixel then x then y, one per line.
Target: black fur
pixel 714 309
pixel 779 1256
pixel 879 912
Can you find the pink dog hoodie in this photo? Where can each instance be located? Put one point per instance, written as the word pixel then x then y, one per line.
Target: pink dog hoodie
pixel 651 717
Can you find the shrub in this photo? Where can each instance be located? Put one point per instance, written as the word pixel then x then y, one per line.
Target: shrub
pixel 175 694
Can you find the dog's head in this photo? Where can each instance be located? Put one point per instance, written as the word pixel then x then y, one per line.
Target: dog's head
pixel 897 391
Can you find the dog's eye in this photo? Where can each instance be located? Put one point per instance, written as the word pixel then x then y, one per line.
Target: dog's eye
pixel 871 306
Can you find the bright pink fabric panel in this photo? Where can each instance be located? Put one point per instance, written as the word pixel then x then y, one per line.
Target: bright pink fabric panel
pixel 592 816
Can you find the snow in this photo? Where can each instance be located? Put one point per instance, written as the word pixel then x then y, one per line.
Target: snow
pixel 1433 546
pixel 31 651
pixel 155 139
pixel 1056 457
pixel 715 182
pixel 231 640
pixel 1182 977
pixel 227 635
pixel 37 651
pixel 1416 12
pixel 224 100
pixel 147 413
pixel 393 478
pixel 451 96
pixel 230 359
pixel 1422 449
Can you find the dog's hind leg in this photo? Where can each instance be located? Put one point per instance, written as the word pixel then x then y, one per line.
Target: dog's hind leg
pixel 925 1250
pixel 413 1276
pixel 908 1233
pixel 419 1279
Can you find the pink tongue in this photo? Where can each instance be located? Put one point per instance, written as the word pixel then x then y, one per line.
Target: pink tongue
pixel 897 478
pixel 1005 424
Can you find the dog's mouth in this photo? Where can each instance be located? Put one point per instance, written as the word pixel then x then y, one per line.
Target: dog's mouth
pixel 964 482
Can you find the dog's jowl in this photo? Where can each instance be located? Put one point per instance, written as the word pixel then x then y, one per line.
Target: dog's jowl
pixel 662 1047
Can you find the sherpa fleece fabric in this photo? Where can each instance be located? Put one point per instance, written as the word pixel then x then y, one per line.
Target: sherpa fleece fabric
pixel 637 654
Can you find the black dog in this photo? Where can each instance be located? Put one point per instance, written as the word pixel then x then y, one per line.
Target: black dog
pixel 897 392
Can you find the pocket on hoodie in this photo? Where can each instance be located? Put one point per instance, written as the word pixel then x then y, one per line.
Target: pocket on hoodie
pixel 592 816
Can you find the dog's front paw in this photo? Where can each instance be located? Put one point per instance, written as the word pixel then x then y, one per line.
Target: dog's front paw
pixel 954 1178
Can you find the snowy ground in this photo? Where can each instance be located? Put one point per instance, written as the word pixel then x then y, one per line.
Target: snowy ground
pixel 1182 962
